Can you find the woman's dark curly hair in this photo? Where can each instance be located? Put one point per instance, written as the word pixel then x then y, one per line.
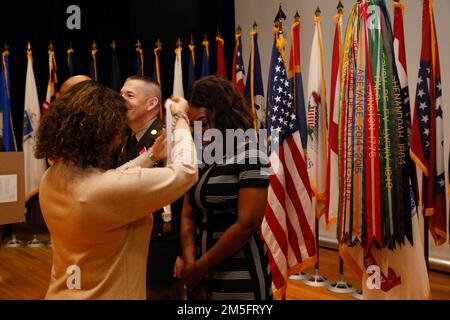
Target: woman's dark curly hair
pixel 82 126
pixel 227 108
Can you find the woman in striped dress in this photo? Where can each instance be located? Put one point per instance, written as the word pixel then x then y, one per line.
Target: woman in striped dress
pixel 224 256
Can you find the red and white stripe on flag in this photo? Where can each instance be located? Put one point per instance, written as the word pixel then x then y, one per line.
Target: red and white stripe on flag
pixel 288 226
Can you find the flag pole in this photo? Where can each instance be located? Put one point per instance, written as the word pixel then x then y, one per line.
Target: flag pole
pixel 340 286
pixel 317 280
pixel 69 59
pixel 14 242
pixel 94 61
pixel 35 242
pixel 301 275
pixel 426 238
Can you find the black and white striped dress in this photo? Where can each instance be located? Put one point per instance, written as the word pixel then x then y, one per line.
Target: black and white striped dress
pixel 246 275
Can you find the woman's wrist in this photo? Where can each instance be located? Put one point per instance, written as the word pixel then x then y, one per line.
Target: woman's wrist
pixel 152 157
pixel 179 115
pixel 201 266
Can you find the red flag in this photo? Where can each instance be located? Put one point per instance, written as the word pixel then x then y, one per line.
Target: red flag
pixel 427 145
pixel 238 73
pixel 221 66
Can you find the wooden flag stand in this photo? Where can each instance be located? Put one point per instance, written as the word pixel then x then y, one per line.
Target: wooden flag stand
pixel 14 242
pixel 357 295
pixel 299 276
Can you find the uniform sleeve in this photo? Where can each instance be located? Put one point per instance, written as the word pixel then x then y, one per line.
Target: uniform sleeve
pixel 130 192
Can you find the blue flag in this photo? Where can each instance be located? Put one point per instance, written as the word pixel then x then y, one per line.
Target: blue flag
pixel 254 90
pixel 205 60
pixel 139 60
pixel 191 69
pixel 115 68
pixel 9 139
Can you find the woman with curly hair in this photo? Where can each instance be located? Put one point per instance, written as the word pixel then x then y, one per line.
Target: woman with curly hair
pixel 224 256
pixel 99 218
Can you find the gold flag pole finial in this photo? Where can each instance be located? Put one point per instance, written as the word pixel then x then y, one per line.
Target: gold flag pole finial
pixel 94 45
pixel 29 46
pixel 296 16
pixel 318 12
pixel 218 31
pixel 280 15
pixel 138 44
pixel 191 42
pixel 239 29
pixel 340 6
pixel 255 26
pixel 51 47
pixel 70 45
pixel 113 44
pixel 158 44
pixel 179 43
pixel 279 19
pixel 205 37
pixel 5 46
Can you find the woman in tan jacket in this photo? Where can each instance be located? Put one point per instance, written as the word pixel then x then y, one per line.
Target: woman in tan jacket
pixel 99 218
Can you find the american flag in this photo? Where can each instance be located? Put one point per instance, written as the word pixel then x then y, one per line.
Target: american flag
pixel 287 227
pixel 425 122
pixel 423 102
pixel 427 142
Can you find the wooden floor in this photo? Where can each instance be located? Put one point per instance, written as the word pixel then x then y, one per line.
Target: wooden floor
pixel 25 274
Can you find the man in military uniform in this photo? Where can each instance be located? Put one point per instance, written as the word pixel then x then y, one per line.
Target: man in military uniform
pixel 144 98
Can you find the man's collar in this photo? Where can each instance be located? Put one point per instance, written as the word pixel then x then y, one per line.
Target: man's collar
pixel 144 129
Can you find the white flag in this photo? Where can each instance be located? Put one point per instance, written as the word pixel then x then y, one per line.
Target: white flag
pixel 317 122
pixel 34 168
pixel 178 75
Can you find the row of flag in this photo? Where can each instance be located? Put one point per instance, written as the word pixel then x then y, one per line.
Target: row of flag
pixel 34 168
pixel 251 87
pixel 353 164
pixel 33 110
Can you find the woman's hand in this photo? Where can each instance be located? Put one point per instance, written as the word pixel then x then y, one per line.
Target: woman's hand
pixel 178 268
pixel 159 148
pixel 200 292
pixel 192 275
pixel 178 105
